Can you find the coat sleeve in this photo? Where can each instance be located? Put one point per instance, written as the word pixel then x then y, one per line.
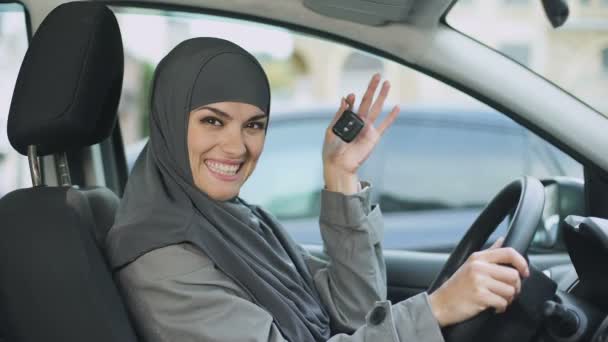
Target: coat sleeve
pixel 176 294
pixel 352 280
pixel 353 277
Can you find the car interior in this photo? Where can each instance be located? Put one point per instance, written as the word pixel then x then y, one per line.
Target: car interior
pixel 55 284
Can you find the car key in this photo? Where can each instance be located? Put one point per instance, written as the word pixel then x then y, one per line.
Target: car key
pixel 348 126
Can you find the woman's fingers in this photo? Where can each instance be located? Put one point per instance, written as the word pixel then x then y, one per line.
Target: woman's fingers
pixel 493 293
pixel 388 121
pixel 376 108
pixel 506 291
pixel 495 301
pixel 505 256
pixel 368 97
pixel 506 275
pixel 350 100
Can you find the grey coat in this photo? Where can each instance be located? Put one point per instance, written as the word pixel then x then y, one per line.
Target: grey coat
pixel 176 294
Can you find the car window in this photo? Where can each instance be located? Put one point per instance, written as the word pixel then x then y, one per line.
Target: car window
pixel 14 169
pixel 444 158
pixel 573 56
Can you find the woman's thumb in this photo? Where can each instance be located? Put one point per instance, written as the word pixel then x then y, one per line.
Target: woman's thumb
pixel 498 243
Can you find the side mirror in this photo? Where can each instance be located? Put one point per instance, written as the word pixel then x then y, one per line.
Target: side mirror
pixel 563 196
pixel 557 11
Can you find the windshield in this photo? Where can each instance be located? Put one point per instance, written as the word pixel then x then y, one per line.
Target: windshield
pixel 574 56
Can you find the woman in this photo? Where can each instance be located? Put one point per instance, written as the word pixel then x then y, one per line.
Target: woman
pixel 197 263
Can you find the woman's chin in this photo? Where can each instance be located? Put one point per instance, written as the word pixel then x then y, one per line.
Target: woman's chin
pixel 217 189
pixel 220 194
pixel 224 198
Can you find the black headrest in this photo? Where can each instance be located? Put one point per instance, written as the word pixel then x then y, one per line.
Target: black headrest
pixel 69 84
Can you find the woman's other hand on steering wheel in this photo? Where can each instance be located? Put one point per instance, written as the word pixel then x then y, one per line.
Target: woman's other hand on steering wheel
pixel 488 279
pixel 342 160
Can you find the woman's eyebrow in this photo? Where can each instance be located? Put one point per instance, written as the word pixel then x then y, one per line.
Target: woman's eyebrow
pixel 217 111
pixel 228 116
pixel 258 116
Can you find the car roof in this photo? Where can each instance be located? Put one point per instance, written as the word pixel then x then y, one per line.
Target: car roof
pixel 422 14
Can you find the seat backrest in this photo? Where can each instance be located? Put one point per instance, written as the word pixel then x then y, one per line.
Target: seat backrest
pixel 54 281
pixel 103 204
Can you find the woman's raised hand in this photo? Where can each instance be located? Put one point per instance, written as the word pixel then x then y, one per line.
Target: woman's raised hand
pixel 488 279
pixel 342 160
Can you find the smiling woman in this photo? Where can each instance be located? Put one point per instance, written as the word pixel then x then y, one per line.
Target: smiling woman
pixel 181 220
pixel 182 198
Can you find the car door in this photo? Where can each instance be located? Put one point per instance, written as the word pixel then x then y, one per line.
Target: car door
pixel 435 169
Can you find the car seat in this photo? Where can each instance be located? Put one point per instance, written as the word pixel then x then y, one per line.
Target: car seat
pixel 54 282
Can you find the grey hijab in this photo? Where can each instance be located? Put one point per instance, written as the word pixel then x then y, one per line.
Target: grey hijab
pixel 162 206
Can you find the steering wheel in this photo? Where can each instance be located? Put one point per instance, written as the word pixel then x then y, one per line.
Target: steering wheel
pixel 525 197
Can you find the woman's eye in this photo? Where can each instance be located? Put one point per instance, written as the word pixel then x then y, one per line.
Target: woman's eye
pixel 256 125
pixel 211 121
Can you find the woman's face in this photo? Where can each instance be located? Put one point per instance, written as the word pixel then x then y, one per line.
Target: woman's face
pixel 225 140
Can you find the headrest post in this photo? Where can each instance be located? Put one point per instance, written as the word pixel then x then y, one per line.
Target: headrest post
pixel 34 162
pixel 62 169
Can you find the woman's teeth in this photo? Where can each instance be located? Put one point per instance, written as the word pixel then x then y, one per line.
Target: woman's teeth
pixel 225 169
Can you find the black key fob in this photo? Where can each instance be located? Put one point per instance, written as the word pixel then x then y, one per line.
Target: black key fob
pixel 348 126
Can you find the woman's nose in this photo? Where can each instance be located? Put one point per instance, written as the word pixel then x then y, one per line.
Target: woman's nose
pixel 233 143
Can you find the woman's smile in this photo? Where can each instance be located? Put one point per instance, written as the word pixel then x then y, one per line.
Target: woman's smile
pixel 224 170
